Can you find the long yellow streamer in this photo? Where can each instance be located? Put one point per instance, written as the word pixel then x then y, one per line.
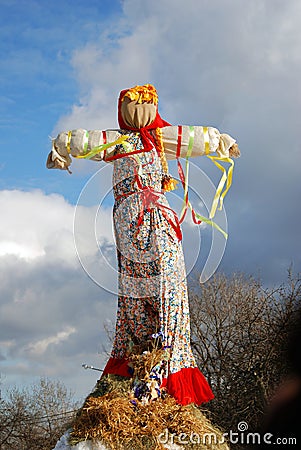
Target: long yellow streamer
pixel 225 179
pixel 210 222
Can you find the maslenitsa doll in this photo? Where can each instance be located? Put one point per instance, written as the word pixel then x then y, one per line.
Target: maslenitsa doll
pixel 153 310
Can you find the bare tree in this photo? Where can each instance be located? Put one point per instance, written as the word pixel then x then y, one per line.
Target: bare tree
pixel 35 418
pixel 239 336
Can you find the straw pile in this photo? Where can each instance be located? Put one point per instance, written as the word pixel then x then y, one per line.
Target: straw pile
pixel 121 425
pixel 112 415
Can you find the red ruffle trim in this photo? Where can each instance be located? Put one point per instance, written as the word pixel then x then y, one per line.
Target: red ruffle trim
pixel 187 386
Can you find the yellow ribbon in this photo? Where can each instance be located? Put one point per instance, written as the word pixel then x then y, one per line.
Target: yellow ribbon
pixel 219 194
pixel 210 222
pixel 225 179
pixel 101 148
pixel 206 140
pixel 69 142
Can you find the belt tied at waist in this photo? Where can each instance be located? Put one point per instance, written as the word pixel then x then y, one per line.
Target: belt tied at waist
pixel 151 198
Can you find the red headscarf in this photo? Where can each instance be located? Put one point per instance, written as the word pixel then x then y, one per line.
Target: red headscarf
pixel 147 138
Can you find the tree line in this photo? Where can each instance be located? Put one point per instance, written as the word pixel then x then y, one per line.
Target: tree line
pixel 247 342
pixel 34 418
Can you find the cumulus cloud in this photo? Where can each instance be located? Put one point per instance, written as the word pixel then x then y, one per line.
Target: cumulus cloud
pixel 30 227
pixel 51 313
pixel 39 347
pixel 193 55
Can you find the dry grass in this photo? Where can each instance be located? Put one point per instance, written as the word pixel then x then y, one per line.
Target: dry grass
pixel 121 422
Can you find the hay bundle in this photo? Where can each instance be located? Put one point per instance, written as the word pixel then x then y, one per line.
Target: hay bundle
pixel 145 362
pixel 120 424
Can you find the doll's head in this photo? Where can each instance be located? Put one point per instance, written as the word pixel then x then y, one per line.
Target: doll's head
pixel 138 108
pixel 137 115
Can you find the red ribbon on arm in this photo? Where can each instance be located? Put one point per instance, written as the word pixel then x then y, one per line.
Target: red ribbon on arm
pixel 179 143
pixel 182 179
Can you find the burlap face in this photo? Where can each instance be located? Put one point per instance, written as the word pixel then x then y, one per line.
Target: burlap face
pixel 138 115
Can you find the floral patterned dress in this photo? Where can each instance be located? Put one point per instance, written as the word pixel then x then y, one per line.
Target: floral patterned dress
pixel 152 279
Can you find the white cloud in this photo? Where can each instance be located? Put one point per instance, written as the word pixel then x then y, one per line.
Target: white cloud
pixel 23 251
pixel 32 223
pixel 39 347
pixel 51 313
pixel 205 58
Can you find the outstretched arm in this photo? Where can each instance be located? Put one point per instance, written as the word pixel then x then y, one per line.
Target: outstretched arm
pixel 80 143
pixel 184 140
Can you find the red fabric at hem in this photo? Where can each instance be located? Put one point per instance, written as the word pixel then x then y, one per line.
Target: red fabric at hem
pixel 117 366
pixel 187 386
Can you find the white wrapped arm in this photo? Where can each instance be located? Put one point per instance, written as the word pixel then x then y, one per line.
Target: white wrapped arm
pixel 204 140
pixel 78 143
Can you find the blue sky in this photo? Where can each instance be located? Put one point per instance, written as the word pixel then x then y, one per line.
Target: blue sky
pixel 230 64
pixel 38 84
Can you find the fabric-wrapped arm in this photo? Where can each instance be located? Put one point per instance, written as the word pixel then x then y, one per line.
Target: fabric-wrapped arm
pixel 195 141
pixel 79 143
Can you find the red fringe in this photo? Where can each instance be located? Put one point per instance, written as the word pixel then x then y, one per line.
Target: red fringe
pixel 187 386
